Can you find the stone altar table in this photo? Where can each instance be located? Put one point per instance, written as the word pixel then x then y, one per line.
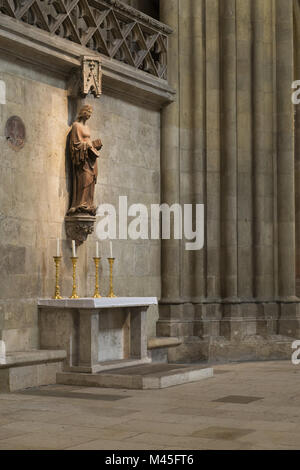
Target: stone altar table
pixel 97 334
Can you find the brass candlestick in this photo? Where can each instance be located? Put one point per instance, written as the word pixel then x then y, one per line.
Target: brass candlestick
pixel 57 260
pixel 74 291
pixel 111 264
pixel 97 293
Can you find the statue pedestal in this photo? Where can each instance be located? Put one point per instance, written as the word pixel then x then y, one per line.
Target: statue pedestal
pixel 97 334
pixel 79 227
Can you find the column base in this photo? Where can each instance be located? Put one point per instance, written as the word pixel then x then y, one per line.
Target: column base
pixel 237 331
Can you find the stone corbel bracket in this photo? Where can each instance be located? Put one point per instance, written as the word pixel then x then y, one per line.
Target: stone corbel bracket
pixel 86 79
pixel 79 227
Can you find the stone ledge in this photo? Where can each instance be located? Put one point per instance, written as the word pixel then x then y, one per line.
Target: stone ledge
pixel 163 342
pixel 30 369
pixel 18 359
pixel 158 348
pixel 60 56
pixel 103 303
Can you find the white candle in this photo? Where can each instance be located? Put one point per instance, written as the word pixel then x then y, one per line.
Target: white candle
pixel 73 249
pixel 57 247
pixel 111 253
pixel 97 250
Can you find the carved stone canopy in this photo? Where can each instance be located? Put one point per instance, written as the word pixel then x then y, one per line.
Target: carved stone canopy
pixel 91 76
pixel 87 79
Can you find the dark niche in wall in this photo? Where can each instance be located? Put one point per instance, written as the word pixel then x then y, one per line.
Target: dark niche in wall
pixel 149 7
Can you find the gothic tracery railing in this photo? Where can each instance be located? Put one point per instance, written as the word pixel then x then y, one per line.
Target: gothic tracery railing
pixel 106 26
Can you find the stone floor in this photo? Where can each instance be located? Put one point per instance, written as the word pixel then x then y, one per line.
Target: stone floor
pixel 244 406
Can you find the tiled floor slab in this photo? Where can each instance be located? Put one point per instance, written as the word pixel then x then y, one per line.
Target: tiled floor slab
pixel 184 443
pixel 72 394
pixel 218 432
pixel 42 441
pixel 241 399
pixel 100 444
pixel 189 416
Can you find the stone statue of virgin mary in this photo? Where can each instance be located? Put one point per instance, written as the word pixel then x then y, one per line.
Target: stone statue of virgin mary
pixel 84 154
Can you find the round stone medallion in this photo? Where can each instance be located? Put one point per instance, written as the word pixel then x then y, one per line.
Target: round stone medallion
pixel 15 132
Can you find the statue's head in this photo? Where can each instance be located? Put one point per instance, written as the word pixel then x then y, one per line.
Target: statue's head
pixel 85 112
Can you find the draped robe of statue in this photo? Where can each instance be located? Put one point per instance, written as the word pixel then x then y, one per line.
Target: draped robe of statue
pixel 84 154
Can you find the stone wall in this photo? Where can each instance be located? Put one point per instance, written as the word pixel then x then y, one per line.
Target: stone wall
pixel 228 141
pixel 34 197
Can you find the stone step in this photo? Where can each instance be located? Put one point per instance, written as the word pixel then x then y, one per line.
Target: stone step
pixel 107 365
pixel 145 377
pixel 35 356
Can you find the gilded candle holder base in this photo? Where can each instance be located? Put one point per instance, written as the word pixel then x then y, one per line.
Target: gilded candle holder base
pixel 111 294
pixel 57 260
pixel 97 293
pixel 74 289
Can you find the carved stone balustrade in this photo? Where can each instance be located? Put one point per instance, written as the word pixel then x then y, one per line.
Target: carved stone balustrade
pixel 109 27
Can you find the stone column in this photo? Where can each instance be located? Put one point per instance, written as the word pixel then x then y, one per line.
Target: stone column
pixel 191 108
pixel 170 158
pixel 88 337
pixel 198 107
pixel 229 149
pixel 270 238
pixel 259 154
pixel 138 333
pixel 285 149
pixel 297 143
pixel 244 148
pixel 263 177
pixel 213 148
